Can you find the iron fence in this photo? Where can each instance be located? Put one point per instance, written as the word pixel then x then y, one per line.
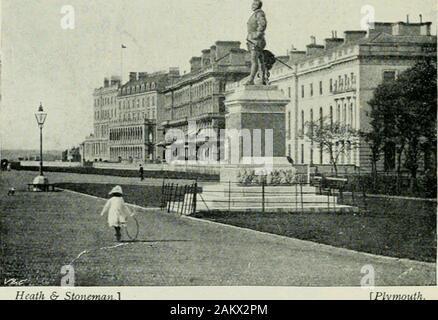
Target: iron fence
pixel 178 198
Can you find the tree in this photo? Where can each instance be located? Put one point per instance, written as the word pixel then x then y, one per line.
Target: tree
pixel 404 111
pixel 375 143
pixel 334 138
pixel 386 123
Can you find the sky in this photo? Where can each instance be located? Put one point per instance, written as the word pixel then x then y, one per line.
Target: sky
pixel 43 62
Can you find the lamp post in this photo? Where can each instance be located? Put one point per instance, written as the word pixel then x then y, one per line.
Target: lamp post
pixel 41 116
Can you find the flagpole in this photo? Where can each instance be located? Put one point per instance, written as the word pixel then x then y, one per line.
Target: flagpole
pixel 121 64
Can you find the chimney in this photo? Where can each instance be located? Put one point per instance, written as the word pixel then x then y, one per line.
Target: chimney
pixel 223 48
pixel 380 27
pixel 205 58
pixel 213 56
pixel 333 42
pixel 195 64
pixel 354 35
pixel 115 81
pixel 425 28
pixel 314 48
pixel 407 19
pixel 421 18
pixel 295 55
pixel 174 71
pixel 132 76
pixel 411 29
pixel 237 57
pixel 106 83
pixel 142 75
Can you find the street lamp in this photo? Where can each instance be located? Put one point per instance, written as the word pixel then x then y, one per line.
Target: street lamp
pixel 41 116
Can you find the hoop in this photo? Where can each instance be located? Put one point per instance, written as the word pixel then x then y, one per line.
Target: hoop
pixel 132 228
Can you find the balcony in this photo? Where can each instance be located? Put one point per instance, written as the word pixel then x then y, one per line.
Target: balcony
pixel 344 89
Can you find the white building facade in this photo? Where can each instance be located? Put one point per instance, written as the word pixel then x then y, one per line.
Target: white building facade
pixel 335 81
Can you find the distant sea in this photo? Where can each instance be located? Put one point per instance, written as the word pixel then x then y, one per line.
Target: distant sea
pixel 15 155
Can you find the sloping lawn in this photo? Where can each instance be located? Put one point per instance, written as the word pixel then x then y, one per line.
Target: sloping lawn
pixel 144 196
pixel 390 227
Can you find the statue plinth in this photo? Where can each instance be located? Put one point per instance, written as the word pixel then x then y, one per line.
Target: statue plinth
pixel 255 131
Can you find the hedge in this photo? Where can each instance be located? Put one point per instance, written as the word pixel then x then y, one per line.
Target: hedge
pixel 392 185
pixel 158 174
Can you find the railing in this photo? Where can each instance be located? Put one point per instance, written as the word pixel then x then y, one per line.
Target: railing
pixel 296 197
pixel 180 199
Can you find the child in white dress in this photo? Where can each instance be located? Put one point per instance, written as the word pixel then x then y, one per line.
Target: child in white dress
pixel 117 211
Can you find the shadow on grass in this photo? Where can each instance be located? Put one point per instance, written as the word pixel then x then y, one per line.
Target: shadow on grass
pixel 142 195
pixel 401 228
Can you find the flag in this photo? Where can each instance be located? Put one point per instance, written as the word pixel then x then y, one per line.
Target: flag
pixel 123 46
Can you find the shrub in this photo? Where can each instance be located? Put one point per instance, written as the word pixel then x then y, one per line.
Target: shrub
pixel 274 178
pixel 392 185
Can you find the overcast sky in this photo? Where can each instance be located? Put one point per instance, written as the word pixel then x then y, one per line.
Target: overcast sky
pixel 43 62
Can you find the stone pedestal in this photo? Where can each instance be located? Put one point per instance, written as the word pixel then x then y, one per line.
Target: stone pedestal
pixel 255 136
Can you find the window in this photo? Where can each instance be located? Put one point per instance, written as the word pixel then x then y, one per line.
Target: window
pixel 311 155
pixel 321 154
pixel 321 118
pixel 389 76
pixel 289 92
pixel 302 122
pixel 302 153
pixel 320 88
pixel 289 150
pixel 302 91
pixel 331 116
pixel 311 89
pixel 289 125
pixel 344 116
pixel 311 121
pixel 331 85
pixel 351 114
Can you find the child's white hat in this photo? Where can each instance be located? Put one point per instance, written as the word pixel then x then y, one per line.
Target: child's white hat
pixel 116 189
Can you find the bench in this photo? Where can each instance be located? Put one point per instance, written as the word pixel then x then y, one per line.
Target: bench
pixel 328 184
pixel 336 183
pixel 42 187
pixel 317 182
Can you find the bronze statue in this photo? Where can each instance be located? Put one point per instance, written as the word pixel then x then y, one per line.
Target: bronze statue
pixel 256 43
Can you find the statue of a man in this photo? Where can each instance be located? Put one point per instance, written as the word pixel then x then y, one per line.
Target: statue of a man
pixel 256 41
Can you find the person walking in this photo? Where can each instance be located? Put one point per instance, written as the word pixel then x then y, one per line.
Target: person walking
pixel 141 173
pixel 117 211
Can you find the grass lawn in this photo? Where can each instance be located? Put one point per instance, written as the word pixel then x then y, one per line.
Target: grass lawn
pixel 42 232
pixel 144 196
pixel 390 227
